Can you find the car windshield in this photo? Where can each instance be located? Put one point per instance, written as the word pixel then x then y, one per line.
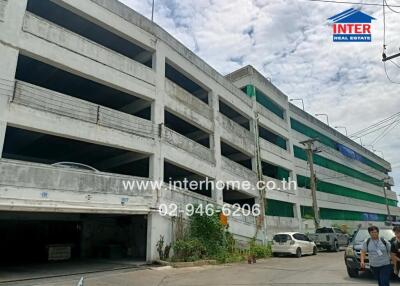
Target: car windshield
pixel 324 230
pixel 281 237
pixel 363 234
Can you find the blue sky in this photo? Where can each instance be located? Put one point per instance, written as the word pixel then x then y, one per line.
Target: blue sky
pixel 290 42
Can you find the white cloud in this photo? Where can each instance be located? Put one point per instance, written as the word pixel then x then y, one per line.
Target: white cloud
pixel 290 42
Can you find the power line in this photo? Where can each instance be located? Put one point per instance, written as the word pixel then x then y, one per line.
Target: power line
pixel 384 57
pixel 387 75
pixel 396 64
pixel 395 124
pixel 352 2
pixel 389 7
pixel 378 124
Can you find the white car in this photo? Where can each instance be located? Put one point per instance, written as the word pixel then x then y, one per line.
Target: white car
pixel 294 243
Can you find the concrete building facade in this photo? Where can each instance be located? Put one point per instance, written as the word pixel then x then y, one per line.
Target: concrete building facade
pixel 94 82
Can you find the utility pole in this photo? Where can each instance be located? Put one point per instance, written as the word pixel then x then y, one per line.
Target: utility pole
pixel 260 177
pixel 310 151
pixel 386 199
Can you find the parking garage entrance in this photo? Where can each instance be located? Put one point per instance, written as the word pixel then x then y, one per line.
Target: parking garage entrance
pixel 28 238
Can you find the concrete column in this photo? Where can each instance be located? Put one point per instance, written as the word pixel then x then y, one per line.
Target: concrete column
pixel 298 216
pixel 11 27
pixel 215 144
pixel 157 113
pixel 2 136
pixel 8 64
pixel 157 225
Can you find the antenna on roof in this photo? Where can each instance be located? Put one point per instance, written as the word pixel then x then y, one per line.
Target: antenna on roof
pixel 152 11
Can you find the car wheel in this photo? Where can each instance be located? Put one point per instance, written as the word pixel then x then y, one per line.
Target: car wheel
pixel 353 273
pixel 336 247
pixel 298 252
pixel 274 254
pixel 314 252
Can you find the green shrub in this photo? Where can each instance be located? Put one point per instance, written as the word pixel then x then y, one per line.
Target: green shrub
pixel 188 250
pixel 260 251
pixel 209 231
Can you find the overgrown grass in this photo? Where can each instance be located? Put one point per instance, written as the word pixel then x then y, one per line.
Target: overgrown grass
pixel 206 238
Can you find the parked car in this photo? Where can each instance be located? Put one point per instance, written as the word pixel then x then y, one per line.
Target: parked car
pixel 292 243
pixel 353 251
pixel 74 165
pixel 330 238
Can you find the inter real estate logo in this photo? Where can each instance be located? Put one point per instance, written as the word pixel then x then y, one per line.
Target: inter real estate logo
pixel 352 26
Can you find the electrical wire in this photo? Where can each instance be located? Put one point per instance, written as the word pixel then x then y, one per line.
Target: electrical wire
pixel 396 64
pixel 372 130
pixel 384 3
pixel 390 7
pixel 387 75
pixel 383 132
pixel 351 2
pixel 374 127
pixel 387 132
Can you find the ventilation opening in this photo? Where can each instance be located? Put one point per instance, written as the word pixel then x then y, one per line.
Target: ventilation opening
pixel 81 26
pixel 185 128
pixel 177 176
pixel 232 196
pixel 50 77
pixel 235 155
pixel 26 145
pixel 272 137
pixel 274 171
pixel 184 82
pixel 232 114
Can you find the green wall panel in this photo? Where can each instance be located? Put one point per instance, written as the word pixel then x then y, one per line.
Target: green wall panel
pixel 332 214
pixel 279 208
pixel 337 167
pixel 304 182
pixel 310 132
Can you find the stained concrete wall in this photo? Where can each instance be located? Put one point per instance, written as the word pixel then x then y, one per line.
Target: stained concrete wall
pixel 27 34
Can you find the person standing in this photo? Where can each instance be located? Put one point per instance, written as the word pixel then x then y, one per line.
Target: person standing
pixel 395 249
pixel 378 250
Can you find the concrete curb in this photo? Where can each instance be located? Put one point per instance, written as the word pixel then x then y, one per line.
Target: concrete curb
pixel 186 264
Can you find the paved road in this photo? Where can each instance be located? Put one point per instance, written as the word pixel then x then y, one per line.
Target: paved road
pixel 324 269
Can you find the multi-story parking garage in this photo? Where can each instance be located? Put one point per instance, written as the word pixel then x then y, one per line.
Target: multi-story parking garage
pixel 95 83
